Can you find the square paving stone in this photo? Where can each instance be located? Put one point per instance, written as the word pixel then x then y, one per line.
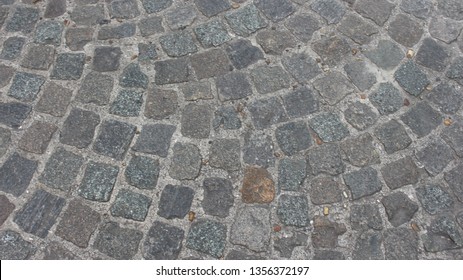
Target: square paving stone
pixel 400 173
pixel 172 71
pixel 358 29
pixel 445 29
pixel 246 20
pixel 127 103
pixel 13 114
pixel 443 234
pixel 196 121
pixel 242 53
pixel 5 140
pixel 302 67
pixel 451 8
pixel 328 127
pixel 6 208
pixel 331 49
pixel 422 119
pixel 68 66
pixel 326 232
pixel 432 55
pixel 150 25
pixel 286 245
pixel 434 199
pixel 326 159
pixel 269 79
pixel 212 34
pixel 454 179
pixel 55 100
pixel 25 86
pixel 179 43
pixel 359 75
pixel 181 17
pixel 38 57
pixel 446 97
pixel 6 73
pixel 386 98
pixel 118 242
pixel 360 151
pixel 225 154
pixel 303 26
pixel 360 115
pixel 124 9
pixel 325 190
pixel 95 88
pixel 120 31
pixel 98 181
pixel 161 104
pixel 328 255
pixel 49 32
pixel 14 247
pixel 186 161
pixel 365 216
pixel 37 137
pixel 455 71
pixel 330 10
pixel 130 205
pixel 293 210
pixel 275 11
pixel 175 202
pixel 163 242
pixel 78 224
pixel 114 139
pixel 258 150
pixel 251 228
pixel 293 137
pixel 77 38
pixel 12 48
pixel 55 251
pixel 376 10
pixel 39 214
pixel 300 102
pixel 363 182
pixel 61 169
pixel 393 136
pixel 193 91
pixel 399 208
pixel 387 55
pixel 291 174
pixel 333 87
pixel 400 244
pixel 368 246
pixel 23 19
pixel 3 15
pixel 258 186
pixel 418 8
pixel 142 172
pixel 238 255
pixel 16 174
pixel 275 41
pixel 88 15
pixel 106 59
pixel 453 135
pixel 233 86
pixel 147 52
pixel 204 69
pixel 79 128
pixel 267 112
pixel 212 8
pixel 155 139
pixel 208 237
pixel 154 6
pixel 226 117
pixel 405 30
pixel 218 197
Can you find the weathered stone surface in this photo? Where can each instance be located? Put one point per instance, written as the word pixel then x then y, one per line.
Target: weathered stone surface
pixel 358 29
pixel 98 181
pixel 275 41
pixel 303 26
pixel 16 174
pixel 267 112
pixel 79 128
pixel 210 9
pixel 181 17
pixel 38 57
pixel 376 10
pixel 127 103
pixel 218 196
pixel 161 104
pixel 302 67
pixel 453 135
pixel 54 251
pixel 446 97
pixel 12 48
pixel 328 127
pixel 331 10
pixel 365 216
pixel 204 69
pixel 275 11
pixel 14 247
pixel 88 15
pixel 242 53
pixel 251 228
pixel 400 173
pixel 435 156
pixel 77 38
pixel 269 79
pixel 49 32
pixel 13 114
pixel 133 77
pixel 293 210
pixel 432 55
pixel 193 91
pixel 114 139
pixel 451 8
pixel 61 169
pixel 325 190
pixel 154 6
pixel 418 8
pixel 400 244
pixel 207 236
pixel 443 234
pixel 291 174
pixel 225 154
pixel 300 102
pixel 55 100
pixel 23 19
pixel 142 172
pixel 368 246
pixel 360 151
pixel 120 31
pixel 78 224
pixel 150 25
pixel 178 43
pixel 25 86
pixel 172 71
pixel 422 119
pixel 130 205
pixel 331 49
pixel 5 140
pixel 196 121
pixel 233 86
pixel 238 255
pixel 434 199
pixel 333 87
pixel 39 214
pixel 455 71
pixel 445 29
pixel 147 53
pixel 286 245
pixel 163 242
pixel 360 115
pixel 387 99
pixel 96 88
pixel 155 139
pixel 405 30
pixel 393 136
pixel 326 159
pixel 293 137
pixel 454 179
pixel 387 55
pixel 363 182
pixel 117 242
pixel 6 208
pixel 326 232
pixel 258 186
pixel 124 9
pixel 175 202
pixel 55 8
pixel 212 34
pixel 186 162
pixel 68 66
pixel 226 117
pixel 106 59
pixel 246 20
pixel 37 137
pixel 258 150
pixel 359 75
pixel 399 208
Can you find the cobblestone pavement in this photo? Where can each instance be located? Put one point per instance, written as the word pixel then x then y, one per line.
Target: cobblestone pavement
pixel 264 129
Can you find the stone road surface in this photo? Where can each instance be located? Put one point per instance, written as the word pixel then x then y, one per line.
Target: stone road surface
pixel 264 129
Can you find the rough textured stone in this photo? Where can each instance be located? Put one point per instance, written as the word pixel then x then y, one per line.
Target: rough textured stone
pixel 55 8
pixel 61 169
pixel 258 186
pixel 387 55
pixel 116 32
pixel 258 150
pixel 418 8
pixel 207 236
pixel 275 41
pixel 400 173
pixel 275 11
pixel 6 208
pixel 155 139
pixel 204 69
pixel 225 154
pixel 328 255
pixel 331 49
pixel 393 136
pixel 326 232
pixel 161 104
pixel 293 210
pixel 286 245
pixel 25 86
pixel 133 77
pixel 376 10
pixel 250 228
pixel 238 255
pixel 360 116
pixel 39 214
pixel 68 66
pixel 246 20
pixel 331 10
pixel 333 87
pixel 37 137
pixel 269 79
pixel 154 6
pixel 150 26
pixel 88 15
pixel 432 55
pixel 359 75
pixel 400 244
pixel 54 100
pixel 23 19
pixel 175 202
pixel 13 114
pixel 363 182
pixel 434 199
pixel 293 137
pixel 233 86
pixel 445 29
pixel 5 140
pixel 387 99
pixel 209 8
pixel 446 97
pixel 130 205
pixel 454 179
pixel 98 181
pixel 422 119
pixel 54 251
pixel 218 197
pixel 443 234
pixel 326 159
pixel 6 73
pixel 303 26
pixel 14 247
pixel 193 91
pixel 114 139
pixel 181 17
pixel 405 30
pixel 124 9
pixel 302 67
pixel 267 112
pixel 117 242
pixel 360 151
pixel 79 128
pixel 48 32
pixel 172 71
pixel 147 53
pixel 328 127
pixel 365 216
pixel 12 48
pixel 106 59
pixel 368 247
pixel 356 28
pixel 196 121
pixel 77 38
pixel 453 135
pixel 226 117
pixel 178 43
pixel 451 8
pixel 38 57
pixel 325 190
pixel 242 53
pixel 78 224
pixel 186 162
pixel 96 88
pixel 455 71
pixel 399 208
pixel 142 172
pixel 291 174
pixel 163 242
pixel 212 34
pixel 300 102
pixel 127 103
pixel 16 174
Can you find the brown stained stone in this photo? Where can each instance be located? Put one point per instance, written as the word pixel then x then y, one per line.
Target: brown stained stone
pixel 6 207
pixel 258 186
pixel 326 232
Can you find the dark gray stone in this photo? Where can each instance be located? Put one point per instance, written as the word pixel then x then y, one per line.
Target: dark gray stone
pixel 39 214
pixel 326 232
pixel 328 255
pixel 333 87
pixel 130 205
pixel 368 246
pixel 212 8
pixel 5 140
pixel 293 137
pixel 3 15
pixel 233 86
pixel 360 116
pixel 181 17
pixel 242 53
pixel 114 139
pixel 98 181
pixel 54 251
pixel 286 245
pixel 23 19
pixel 454 179
pixel 300 102
pixel 331 10
pixel 186 162
pixel 226 117
pixel 386 98
pixel 451 8
pixel 6 73
pixel 55 8
pixel 303 26
pixel 150 26
pixel 68 66
pixel 332 49
pixel 258 150
pixel 418 8
pixel 422 119
pixel 363 182
pixel 88 15
pixel 453 135
pixel 147 52
pixel 127 103
pixel 37 137
pixel 445 29
pixel 161 104
pixel 133 77
pixel 362 78
pixel 79 128
pixel 360 151
pixel 358 29
pixel 49 32
pixel 204 69
pixel 117 242
pixel 246 20
pixel 393 136
pixel 163 242
pixel 400 244
pixel 269 79
pixel 13 114
pixel 293 210
pixel 142 172
pixel 218 197
pixel 154 139
pixel 124 9
pixel 179 43
pixel 326 158
pixel 443 234
pixel 400 173
pixel 12 48
pixel 328 127
pixel 434 199
pixel 446 97
pixel 376 10
pixel 325 190
pixel 275 41
pixel 251 228
pixel 54 100
pixel 25 86
pixel 196 121
pixel 207 236
pixel 38 57
pixel 455 71
pixel 432 55
pixel 399 208
pixel 16 174
pixel 275 11
pixel 120 31
pixel 212 34
pixel 405 30
pixel 291 174
pixel 96 88
pixel 365 216
pixel 154 6
pixel 14 247
pixel 77 38
pixel 238 255
pixel 225 154
pixel 387 55
pixel 302 67
pixel 175 202
pixel 106 59
pixel 172 71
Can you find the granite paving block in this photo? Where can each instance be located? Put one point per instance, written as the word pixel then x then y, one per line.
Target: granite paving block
pixel 130 205
pixel 451 8
pixel 5 140
pixel 213 8
pixel 393 136
pixel 293 210
pixel 12 48
pixel 445 29
pixel 37 137
pixel 250 228
pixel 455 71
pixel 418 8
pixel 400 244
pixel 269 79
pixel 98 181
pixel 333 87
pixel 303 26
pixel 364 217
pixel 160 103
pixel 243 54
pixel 405 30
pixel 26 86
pixel 443 234
pixel 178 43
pixel 226 117
pixel 246 20
pixel 56 252
pixel 6 73
pixel 286 245
pixel 432 55
pixel 147 53
pixel 117 242
pixel 225 154
pixel 16 174
pixel 124 9
pixel 326 159
pixel 360 115
pixel 238 255
pixel 275 41
pixel 204 69
pixel 386 98
pixel 331 49
pixel 172 71
pixel 142 172
pixel 422 119
pixel 196 121
pixel 453 136
pixel 88 15
pixel 181 17
pixel 400 173
pixel 359 74
pixel 434 199
pixel 150 25
pixel 376 10
pixel 123 30
pixel 302 67
pixel 96 88
pixel 258 186
pixel 6 208
pixel 49 32
pixel 207 236
pixel 360 151
pixel 23 19
pixel 446 97
pixel 328 255
pixel 387 55
pixel 127 103
pixel 454 180
pixel 55 8
pixel 300 102
pixel 163 242
pixel 114 139
pixel 68 66
pixel 212 34
pixel 293 137
pixel 14 247
pixel 133 77
pixel 186 161
pixel 358 29
pixel 218 196
pixel 326 232
pixel 233 86
pixel 13 114
pixel 258 150
pixel 368 246
pixel 399 208
pixel 38 57
pixel 330 10
pixel 328 127
pixel 325 190
pixel 275 11
pixel 106 59
pixel 175 201
pixel 291 174
pixel 154 139
pixel 79 128
pixel 363 182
